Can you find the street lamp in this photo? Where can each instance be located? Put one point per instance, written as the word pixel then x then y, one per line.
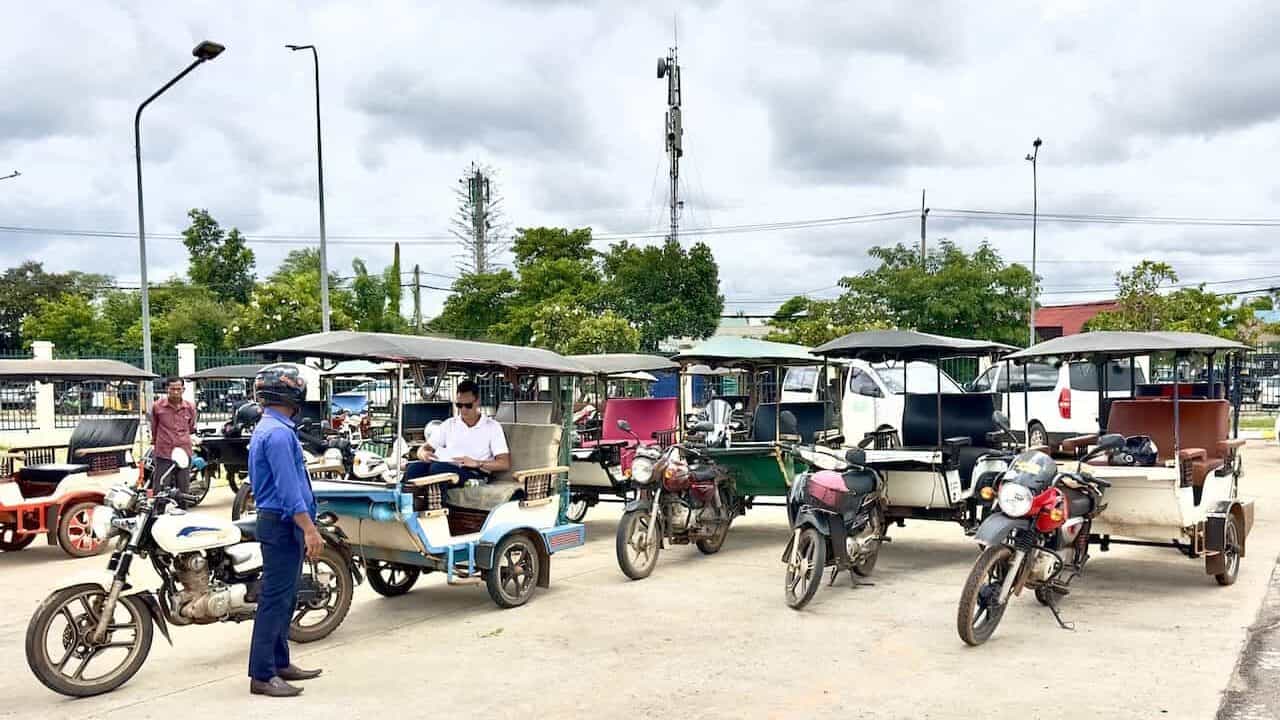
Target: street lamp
pixel 203 52
pixel 13 174
pixel 324 257
pixel 1032 157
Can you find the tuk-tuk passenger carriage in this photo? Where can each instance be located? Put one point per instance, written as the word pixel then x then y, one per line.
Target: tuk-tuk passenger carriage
pixel 602 458
pixel 1176 484
pixel 758 455
pixel 946 445
pixel 502 533
pixel 38 494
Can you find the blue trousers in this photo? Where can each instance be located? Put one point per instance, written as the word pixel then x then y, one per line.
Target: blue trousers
pixel 282 554
pixel 418 468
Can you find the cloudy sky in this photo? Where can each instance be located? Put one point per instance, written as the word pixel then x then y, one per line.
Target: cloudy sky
pixel 793 111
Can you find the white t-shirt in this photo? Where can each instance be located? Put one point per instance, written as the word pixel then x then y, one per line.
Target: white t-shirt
pixel 453 439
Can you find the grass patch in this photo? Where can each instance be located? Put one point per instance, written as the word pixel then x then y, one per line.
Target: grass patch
pixel 1257 422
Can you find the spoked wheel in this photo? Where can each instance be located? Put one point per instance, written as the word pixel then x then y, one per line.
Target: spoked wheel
pixel 1036 435
pixel 980 611
pixel 391 579
pixel 577 509
pixel 637 544
pixel 243 504
pixel 11 541
pixel 1231 554
pixel 711 545
pixel 75 531
pixel 804 575
pixel 64 656
pixel 514 576
pixel 323 614
pixel 198 488
pixel 877 526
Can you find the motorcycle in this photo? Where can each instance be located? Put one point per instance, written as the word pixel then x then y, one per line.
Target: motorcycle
pixel 837 519
pixel 1037 536
pixel 197 487
pixel 681 496
pixel 210 571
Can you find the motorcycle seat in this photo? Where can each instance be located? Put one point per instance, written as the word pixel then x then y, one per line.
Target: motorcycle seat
pixel 703 474
pixel 248 528
pixel 859 482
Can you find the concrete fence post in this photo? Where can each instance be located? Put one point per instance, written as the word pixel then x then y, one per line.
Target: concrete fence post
pixel 187 366
pixel 43 350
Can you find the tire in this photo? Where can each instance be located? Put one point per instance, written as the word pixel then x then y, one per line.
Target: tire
pixel 11 541
pixel 198 488
pixel 1232 554
pixel 336 605
pixel 1036 435
pixel 75 535
pixel 514 576
pixel 62 605
pixel 974 622
pixel 390 579
pixel 801 582
pixel 577 509
pixel 243 504
pixel 645 551
pixel 712 545
pixel 868 565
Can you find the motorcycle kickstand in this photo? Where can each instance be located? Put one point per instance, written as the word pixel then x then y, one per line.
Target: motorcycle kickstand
pixel 835 571
pixel 1053 608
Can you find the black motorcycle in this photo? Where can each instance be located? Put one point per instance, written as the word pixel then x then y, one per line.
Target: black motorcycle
pixel 837 521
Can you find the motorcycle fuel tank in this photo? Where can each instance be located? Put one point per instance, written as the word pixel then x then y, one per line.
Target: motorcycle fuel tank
pixel 180 532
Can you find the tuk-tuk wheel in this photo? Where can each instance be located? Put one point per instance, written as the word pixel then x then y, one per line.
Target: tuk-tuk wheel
pixel 11 541
pixel 75 532
pixel 577 509
pixel 391 579
pixel 1231 554
pixel 514 575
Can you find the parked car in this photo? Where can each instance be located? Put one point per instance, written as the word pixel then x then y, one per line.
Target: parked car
pixel 1269 392
pixel 1062 399
pixel 873 394
pixel 375 393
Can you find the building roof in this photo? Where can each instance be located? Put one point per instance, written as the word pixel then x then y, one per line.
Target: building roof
pixel 1071 318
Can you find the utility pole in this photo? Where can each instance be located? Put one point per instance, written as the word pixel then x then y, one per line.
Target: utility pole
pixel 417 299
pixel 669 67
pixel 1033 158
pixel 477 223
pixel 324 252
pixel 924 216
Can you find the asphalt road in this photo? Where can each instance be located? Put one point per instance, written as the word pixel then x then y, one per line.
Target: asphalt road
pixel 710 637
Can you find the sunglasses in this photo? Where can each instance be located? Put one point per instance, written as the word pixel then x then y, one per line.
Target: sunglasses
pixel 464 406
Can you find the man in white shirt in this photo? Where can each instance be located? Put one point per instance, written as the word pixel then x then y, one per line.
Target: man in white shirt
pixel 469 443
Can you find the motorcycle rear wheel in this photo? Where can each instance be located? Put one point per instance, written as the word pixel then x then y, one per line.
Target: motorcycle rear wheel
pixel 868 563
pixel 975 620
pixel 391 579
pixel 76 607
pixel 243 504
pixel 712 545
pixel 336 605
pixel 637 544
pixel 801 581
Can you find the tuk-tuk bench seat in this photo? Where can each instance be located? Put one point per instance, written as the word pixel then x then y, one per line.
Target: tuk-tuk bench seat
pixel 535 451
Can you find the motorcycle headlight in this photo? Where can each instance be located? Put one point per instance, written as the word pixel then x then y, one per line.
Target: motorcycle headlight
pixel 1015 499
pixel 119 498
pixel 100 523
pixel 642 470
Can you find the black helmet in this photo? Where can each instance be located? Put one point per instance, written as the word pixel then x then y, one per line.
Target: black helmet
pixel 280 384
pixel 247 415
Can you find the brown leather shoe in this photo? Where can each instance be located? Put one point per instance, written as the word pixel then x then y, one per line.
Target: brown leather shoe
pixel 275 687
pixel 293 673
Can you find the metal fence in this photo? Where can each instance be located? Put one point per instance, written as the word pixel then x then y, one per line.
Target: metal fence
pixel 217 400
pixel 17 405
pixel 74 400
pixel 1256 380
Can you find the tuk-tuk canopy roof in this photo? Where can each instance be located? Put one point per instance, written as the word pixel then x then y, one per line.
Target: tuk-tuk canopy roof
pixel 1125 344
pixel 359 367
pixel 77 369
pixel 351 345
pixel 730 350
pixel 621 363
pixel 876 345
pixel 227 372
pixel 701 369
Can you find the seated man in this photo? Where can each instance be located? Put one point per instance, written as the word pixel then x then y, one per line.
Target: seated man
pixel 469 444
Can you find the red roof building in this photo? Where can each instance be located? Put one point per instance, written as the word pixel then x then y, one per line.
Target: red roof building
pixel 1057 320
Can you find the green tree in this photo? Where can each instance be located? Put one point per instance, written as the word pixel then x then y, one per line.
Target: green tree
pixel 70 321
pixel 607 333
pixel 809 322
pixel 219 260
pixel 288 303
pixel 391 277
pixel 1146 300
pixel 664 290
pixel 477 303
pixel 556 269
pixel 973 295
pixel 369 298
pixel 23 287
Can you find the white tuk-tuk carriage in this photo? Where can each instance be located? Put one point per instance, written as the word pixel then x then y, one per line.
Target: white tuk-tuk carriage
pixel 501 533
pixel 1177 483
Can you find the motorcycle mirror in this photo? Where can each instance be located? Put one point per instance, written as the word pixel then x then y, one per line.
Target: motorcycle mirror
pixel 180 458
pixel 856 456
pixel 624 426
pixel 1110 441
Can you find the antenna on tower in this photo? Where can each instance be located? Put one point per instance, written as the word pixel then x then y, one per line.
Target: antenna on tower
pixel 669 68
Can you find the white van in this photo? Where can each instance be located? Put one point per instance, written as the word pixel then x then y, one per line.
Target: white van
pixel 873 394
pixel 1062 399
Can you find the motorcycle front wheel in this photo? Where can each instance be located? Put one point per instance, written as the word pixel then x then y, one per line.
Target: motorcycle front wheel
pixel 637 544
pixel 62 653
pixel 980 611
pixel 805 574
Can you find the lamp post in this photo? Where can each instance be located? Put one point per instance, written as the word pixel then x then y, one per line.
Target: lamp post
pixel 203 52
pixel 11 175
pixel 324 257
pixel 1032 157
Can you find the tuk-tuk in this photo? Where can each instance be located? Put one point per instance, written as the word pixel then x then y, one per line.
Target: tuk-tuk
pixel 501 533
pixel 945 445
pixel 1176 482
pixel 604 449
pixel 45 491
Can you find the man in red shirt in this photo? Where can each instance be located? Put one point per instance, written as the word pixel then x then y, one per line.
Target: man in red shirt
pixel 173 420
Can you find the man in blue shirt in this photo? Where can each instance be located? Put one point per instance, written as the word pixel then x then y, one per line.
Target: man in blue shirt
pixel 286 528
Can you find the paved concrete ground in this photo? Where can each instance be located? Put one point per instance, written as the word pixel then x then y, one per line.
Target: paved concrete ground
pixel 711 637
